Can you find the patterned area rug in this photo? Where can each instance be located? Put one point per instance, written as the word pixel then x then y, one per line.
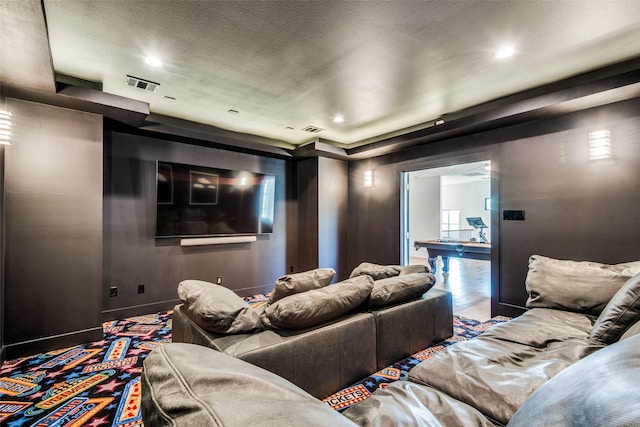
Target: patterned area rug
pixel 98 384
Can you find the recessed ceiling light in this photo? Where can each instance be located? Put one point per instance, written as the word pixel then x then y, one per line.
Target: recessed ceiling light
pixel 505 52
pixel 338 119
pixel 153 61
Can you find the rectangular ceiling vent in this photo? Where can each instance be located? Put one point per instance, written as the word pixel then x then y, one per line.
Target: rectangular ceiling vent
pixel 474 174
pixel 312 129
pixel 141 83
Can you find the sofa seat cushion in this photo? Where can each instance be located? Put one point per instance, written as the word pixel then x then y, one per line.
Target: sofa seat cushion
pixel 189 385
pixel 290 284
pixel 600 390
pixel 376 271
pixel 406 404
pixel 317 306
pixel 619 314
pixel 394 290
pixel 540 327
pixel 218 309
pixel 496 376
pixel 581 286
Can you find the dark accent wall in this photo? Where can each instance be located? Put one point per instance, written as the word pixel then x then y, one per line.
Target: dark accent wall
pixel 332 215
pixel 307 189
pixel 574 208
pixel 132 254
pixel 53 229
pixel 322 214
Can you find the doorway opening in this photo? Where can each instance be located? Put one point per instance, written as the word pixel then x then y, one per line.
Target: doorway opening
pixel 445 216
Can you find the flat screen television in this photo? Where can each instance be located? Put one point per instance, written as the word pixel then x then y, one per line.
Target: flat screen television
pixel 202 201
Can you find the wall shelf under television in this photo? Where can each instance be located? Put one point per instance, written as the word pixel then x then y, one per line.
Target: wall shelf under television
pixel 202 241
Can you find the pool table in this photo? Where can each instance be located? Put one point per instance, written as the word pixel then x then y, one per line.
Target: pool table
pixel 452 248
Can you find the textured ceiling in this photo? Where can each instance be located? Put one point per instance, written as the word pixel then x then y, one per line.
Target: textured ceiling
pixel 384 66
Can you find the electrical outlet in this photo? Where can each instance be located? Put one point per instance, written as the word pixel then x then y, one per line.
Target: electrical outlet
pixel 141 289
pixel 219 280
pixel 113 291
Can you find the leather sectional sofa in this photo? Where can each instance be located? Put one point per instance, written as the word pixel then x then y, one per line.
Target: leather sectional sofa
pixel 324 357
pixel 572 360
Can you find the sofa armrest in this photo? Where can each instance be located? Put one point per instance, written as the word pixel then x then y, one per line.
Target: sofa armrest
pixel 191 385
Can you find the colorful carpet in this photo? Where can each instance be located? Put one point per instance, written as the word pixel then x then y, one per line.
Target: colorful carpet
pixel 98 384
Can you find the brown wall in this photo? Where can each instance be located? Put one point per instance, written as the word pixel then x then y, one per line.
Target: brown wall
pixel 332 215
pixel 322 214
pixel 53 229
pixel 132 254
pixel 575 208
pixel 307 232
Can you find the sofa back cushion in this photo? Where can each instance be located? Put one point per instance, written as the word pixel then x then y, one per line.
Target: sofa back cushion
pixel 622 311
pixel 311 308
pixel 394 290
pixel 191 385
pixel 376 271
pixel 599 390
pixel 300 282
pixel 217 309
pixel 580 286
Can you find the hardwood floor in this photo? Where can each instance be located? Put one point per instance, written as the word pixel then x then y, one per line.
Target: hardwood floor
pixel 469 281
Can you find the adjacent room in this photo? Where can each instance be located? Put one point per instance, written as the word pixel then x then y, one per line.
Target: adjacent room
pixel 322 213
pixel 447 207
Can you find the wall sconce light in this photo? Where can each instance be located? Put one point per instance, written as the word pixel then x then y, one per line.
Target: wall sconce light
pixel 5 127
pixel 600 144
pixel 368 179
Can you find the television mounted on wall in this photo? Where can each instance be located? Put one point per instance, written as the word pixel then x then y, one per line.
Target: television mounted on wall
pixel 204 201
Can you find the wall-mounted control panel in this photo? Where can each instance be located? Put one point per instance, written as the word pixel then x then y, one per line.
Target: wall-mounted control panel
pixel 511 215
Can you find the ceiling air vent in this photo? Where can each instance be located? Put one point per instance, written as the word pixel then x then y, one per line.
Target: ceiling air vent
pixel 312 129
pixel 474 174
pixel 141 83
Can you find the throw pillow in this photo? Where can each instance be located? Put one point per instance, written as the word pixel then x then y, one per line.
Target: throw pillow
pixel 619 314
pixel 579 286
pixel 300 282
pixel 397 289
pixel 599 390
pixel 376 271
pixel 311 308
pixel 217 309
